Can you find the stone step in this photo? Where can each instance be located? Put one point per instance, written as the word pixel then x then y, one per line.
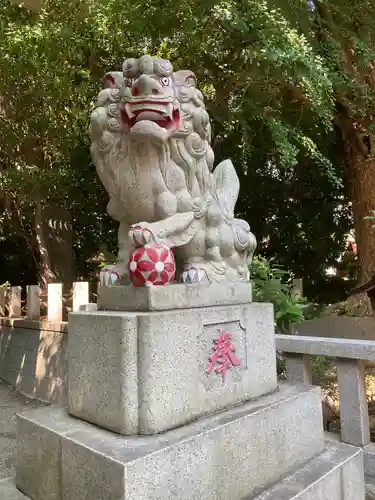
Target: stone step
pixel 8 490
pixel 227 455
pixel 336 474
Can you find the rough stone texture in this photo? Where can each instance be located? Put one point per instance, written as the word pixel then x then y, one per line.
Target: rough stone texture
pixel 33 358
pixel 227 455
pixel 57 232
pixel 370 460
pixel 103 370
pixel 88 307
pixel 298 369
pixel 355 428
pixel 370 488
pixel 155 120
pixel 33 302
pixel 11 402
pixel 350 372
pixel 162 298
pixel 322 346
pixel 38 458
pixel 333 475
pixel 369 463
pixel 344 327
pixel 147 372
pixel 336 474
pixel 8 491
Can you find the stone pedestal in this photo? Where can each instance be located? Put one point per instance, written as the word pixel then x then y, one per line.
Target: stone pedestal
pixel 143 373
pixel 191 394
pixel 227 455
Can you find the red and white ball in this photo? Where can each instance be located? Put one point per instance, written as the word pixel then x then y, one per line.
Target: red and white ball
pixel 152 264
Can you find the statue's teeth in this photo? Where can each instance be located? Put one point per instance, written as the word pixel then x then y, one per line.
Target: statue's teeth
pixel 170 110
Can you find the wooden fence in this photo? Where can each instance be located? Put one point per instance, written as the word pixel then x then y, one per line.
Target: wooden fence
pixel 53 305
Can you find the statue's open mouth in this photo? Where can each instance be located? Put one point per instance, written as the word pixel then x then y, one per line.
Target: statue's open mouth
pixel 162 113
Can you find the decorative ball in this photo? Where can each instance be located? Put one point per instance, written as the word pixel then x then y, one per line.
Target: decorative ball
pixel 151 264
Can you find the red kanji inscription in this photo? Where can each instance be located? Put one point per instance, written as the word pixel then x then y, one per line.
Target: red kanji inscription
pixel 223 356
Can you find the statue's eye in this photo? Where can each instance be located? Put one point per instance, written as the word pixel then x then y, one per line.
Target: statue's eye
pixel 129 82
pixel 164 80
pixel 190 81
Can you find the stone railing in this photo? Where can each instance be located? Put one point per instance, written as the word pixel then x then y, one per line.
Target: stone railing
pixel 33 338
pixel 11 301
pixel 33 357
pixel 350 358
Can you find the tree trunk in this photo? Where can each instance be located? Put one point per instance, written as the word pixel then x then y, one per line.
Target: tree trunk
pixel 361 178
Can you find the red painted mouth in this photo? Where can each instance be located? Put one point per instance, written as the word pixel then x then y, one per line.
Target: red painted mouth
pixel 166 122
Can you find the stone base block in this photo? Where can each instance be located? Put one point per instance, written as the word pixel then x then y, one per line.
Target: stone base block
pixel 144 373
pixel 230 455
pixel 370 460
pixel 171 297
pixel 8 490
pixel 336 474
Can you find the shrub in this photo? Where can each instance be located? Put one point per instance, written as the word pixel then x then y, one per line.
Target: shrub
pixel 273 284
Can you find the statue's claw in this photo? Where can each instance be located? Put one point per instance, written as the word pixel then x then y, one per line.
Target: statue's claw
pixel 200 207
pixel 140 235
pixel 109 275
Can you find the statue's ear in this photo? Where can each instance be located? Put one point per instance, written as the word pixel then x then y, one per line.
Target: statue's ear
pixel 185 77
pixel 113 80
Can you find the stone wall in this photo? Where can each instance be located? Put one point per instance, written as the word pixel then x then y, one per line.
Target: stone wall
pixel 339 327
pixel 33 357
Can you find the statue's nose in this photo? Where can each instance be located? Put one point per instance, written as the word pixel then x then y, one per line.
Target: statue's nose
pixel 145 85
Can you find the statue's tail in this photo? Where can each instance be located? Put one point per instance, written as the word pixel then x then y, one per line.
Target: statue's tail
pixel 244 240
pixel 227 187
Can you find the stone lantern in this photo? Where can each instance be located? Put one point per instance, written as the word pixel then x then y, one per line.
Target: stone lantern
pixel 102 258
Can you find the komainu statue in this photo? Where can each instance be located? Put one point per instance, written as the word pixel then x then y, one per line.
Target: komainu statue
pixel 151 148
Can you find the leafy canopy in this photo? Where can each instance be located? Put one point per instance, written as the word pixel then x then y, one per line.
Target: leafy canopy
pixel 269 90
pixel 248 55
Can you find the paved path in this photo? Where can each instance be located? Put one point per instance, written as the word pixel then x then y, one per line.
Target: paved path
pixel 11 403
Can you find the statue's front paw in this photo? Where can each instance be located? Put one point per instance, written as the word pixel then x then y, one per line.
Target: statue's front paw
pixel 140 235
pixel 111 274
pixel 200 207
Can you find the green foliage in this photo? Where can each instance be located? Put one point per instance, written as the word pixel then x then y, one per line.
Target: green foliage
pixel 272 284
pixel 321 367
pixel 248 52
pixel 269 91
pixel 345 32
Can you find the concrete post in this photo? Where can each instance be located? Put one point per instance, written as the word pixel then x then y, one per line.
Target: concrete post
pixel 298 368
pixel 15 302
pixel 354 417
pixel 33 302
